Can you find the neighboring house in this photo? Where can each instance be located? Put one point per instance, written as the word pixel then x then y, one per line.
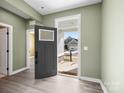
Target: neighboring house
pixel 72 43
pixel 67 40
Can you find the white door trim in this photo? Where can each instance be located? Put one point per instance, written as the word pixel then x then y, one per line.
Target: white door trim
pixel 78 17
pixel 27 46
pixel 10 63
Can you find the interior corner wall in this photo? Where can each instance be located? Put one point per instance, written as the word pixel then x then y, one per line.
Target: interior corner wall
pixel 91 36
pixel 19 33
pixel 113 45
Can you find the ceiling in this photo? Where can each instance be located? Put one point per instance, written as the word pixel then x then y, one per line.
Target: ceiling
pixel 51 6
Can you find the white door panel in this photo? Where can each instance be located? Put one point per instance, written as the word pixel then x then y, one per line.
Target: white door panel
pixel 3 49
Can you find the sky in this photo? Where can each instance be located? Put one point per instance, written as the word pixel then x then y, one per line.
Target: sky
pixel 72 34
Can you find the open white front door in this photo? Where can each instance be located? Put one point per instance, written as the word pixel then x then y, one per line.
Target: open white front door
pixel 3 51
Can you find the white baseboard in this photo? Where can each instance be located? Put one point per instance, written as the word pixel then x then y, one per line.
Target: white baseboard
pixel 90 79
pixel 19 70
pixel 103 87
pixel 95 80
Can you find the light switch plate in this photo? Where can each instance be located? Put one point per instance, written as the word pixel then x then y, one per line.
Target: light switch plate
pixel 85 48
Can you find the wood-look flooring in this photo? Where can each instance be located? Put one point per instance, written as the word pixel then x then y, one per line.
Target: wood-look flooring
pixel 24 82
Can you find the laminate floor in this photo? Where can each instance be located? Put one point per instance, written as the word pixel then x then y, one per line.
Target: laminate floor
pixel 24 82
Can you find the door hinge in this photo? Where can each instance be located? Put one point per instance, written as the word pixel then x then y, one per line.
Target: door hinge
pixel 7 68
pixel 7 51
pixel 7 33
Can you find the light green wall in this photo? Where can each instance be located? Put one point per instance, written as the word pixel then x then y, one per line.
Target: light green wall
pixel 90 32
pixel 19 26
pixel 22 6
pixel 113 45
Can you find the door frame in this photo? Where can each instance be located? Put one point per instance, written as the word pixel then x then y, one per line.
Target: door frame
pixel 10 60
pixel 65 18
pixel 27 46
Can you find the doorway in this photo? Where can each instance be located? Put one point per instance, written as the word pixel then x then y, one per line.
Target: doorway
pixel 68 51
pixel 30 50
pixel 69 63
pixel 42 51
pixel 3 53
pixel 6 54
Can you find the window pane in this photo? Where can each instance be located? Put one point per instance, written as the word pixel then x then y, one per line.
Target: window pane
pixel 46 35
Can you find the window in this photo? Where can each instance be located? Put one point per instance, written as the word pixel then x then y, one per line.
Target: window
pixel 46 35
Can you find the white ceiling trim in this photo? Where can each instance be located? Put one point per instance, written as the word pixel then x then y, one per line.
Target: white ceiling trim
pixel 12 9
